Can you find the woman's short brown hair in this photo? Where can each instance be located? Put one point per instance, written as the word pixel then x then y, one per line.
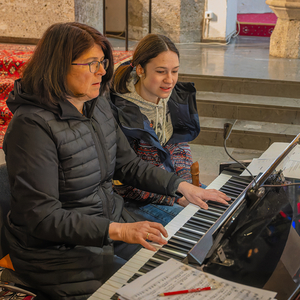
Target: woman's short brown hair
pixel 148 48
pixel 60 45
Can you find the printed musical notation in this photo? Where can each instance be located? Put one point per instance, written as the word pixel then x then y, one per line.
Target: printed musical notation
pixel 173 275
pixel 290 165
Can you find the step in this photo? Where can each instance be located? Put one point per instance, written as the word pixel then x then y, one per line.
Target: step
pixel 246 86
pixel 245 134
pixel 248 107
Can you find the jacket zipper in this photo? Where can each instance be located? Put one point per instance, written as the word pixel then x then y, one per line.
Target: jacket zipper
pixel 100 150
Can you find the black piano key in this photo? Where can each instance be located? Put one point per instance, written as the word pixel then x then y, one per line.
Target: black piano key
pixel 153 261
pixel 199 223
pixel 188 234
pixel 161 256
pixel 145 269
pixel 206 218
pixel 218 205
pixel 177 245
pixel 216 210
pixel 176 248
pixel 134 277
pixel 185 240
pixel 189 226
pixel 229 193
pixel 176 240
pixel 238 181
pixel 176 252
pixel 234 188
pixel 184 236
pixel 209 213
pixel 188 229
pixel 148 266
pixel 168 255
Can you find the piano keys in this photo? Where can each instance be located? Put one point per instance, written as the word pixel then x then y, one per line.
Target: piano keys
pixel 184 231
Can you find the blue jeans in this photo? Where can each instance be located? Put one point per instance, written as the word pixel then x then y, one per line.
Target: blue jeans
pixel 157 213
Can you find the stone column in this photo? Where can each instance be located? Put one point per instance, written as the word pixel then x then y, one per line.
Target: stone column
pixel 180 20
pixel 25 21
pixel 89 12
pixel 285 39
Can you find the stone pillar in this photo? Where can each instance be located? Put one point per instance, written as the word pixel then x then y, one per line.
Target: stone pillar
pixel 138 18
pixel 25 21
pixel 89 12
pixel 180 20
pixel 285 39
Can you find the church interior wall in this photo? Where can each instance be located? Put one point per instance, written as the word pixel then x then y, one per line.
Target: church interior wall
pixel 253 7
pixel 28 19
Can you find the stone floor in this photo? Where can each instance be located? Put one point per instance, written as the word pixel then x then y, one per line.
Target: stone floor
pixel 244 57
pixel 210 158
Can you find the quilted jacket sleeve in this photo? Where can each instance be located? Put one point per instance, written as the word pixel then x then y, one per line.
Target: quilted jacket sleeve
pixel 132 170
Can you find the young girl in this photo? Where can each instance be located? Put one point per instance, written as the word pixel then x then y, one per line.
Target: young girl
pixel 159 117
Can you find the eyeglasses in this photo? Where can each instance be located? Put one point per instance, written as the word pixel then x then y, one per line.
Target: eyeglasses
pixel 95 65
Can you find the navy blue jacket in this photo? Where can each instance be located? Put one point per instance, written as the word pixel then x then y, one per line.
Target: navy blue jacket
pixel 183 112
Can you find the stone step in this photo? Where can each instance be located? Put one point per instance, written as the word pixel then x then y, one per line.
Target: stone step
pixel 246 86
pixel 245 134
pixel 249 107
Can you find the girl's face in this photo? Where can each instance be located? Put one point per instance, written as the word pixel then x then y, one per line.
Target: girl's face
pixel 159 77
pixel 81 81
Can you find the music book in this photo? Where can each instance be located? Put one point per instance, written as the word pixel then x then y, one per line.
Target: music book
pixel 174 276
pixel 290 165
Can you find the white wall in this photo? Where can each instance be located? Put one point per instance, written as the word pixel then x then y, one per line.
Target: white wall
pixel 253 6
pixel 217 26
pixel 231 17
pixel 223 25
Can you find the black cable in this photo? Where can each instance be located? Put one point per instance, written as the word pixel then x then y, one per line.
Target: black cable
pixel 227 131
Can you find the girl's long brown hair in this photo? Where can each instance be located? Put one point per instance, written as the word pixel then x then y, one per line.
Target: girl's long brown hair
pixel 149 47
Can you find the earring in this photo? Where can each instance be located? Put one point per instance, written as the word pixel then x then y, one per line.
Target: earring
pixel 140 75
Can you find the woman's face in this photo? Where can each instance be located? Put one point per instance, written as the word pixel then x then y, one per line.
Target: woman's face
pixel 159 77
pixel 81 81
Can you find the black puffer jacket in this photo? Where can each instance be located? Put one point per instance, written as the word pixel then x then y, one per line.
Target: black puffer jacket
pixel 61 165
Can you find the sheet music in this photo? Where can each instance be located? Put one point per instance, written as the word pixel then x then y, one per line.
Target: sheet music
pixel 173 276
pixel 290 164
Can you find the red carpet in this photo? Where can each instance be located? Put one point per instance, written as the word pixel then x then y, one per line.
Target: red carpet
pixel 256 24
pixel 12 60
